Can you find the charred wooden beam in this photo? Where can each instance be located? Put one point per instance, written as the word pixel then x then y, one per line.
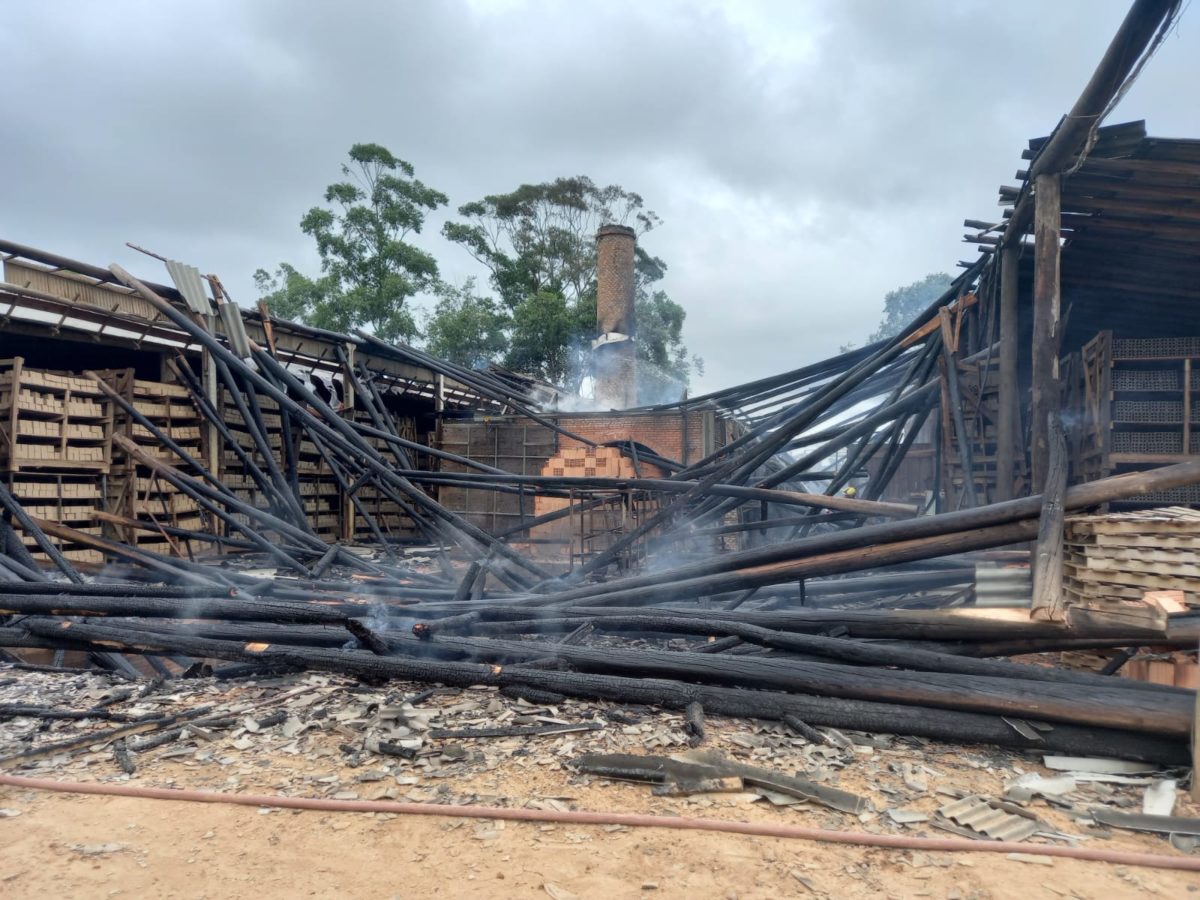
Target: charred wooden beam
pixel 1045 399
pixel 994 525
pixel 31 527
pixel 951 725
pixel 1048 602
pixel 1107 705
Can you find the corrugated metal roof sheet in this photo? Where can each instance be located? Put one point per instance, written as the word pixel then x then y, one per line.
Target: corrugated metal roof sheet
pixel 191 286
pixel 235 329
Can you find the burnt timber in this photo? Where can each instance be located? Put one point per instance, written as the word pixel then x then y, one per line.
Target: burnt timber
pixel 814 539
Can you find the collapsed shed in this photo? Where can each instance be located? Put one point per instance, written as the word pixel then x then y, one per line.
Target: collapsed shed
pixel 821 533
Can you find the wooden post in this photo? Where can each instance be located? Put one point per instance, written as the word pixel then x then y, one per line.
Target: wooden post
pixel 683 436
pixel 349 401
pixel 1006 424
pixel 212 441
pixel 1188 424
pixel 1196 750
pixel 1047 222
pixel 14 414
pixel 1048 559
pixel 950 372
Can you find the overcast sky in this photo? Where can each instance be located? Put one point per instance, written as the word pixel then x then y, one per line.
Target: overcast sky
pixel 805 157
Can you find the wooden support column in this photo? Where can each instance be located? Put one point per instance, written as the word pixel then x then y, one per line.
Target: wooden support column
pixel 1048 601
pixel 1188 425
pixel 949 361
pixel 1006 424
pixel 349 401
pixel 1045 399
pixel 210 441
pixel 1195 792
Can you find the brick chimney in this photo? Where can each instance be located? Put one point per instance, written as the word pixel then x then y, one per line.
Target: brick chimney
pixel 614 357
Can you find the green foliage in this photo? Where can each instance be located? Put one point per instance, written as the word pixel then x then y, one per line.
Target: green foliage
pixel 664 364
pixel 548 340
pixel 904 304
pixel 466 328
pixel 289 294
pixel 541 237
pixel 370 270
pixel 539 244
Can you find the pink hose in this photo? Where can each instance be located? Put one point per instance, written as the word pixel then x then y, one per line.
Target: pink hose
pixel 579 817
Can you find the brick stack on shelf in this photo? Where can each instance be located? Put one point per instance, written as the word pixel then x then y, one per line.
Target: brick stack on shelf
pixel 233 474
pixel 1162 665
pixel 55 448
pixel 1141 398
pixel 391 519
pixel 319 491
pixel 134 491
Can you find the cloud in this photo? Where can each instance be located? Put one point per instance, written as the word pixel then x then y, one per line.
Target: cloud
pixel 805 157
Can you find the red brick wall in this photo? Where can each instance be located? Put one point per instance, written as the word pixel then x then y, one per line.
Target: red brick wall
pixel 661 432
pixel 516 443
pixel 671 434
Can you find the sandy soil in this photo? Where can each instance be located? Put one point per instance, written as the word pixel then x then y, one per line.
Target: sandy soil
pixel 72 846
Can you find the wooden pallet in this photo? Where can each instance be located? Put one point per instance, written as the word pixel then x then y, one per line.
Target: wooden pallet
pixel 1120 556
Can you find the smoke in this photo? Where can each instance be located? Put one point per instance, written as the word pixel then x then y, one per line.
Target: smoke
pixel 579 403
pixel 654 384
pixel 657 385
pixel 1075 420
pixel 380 620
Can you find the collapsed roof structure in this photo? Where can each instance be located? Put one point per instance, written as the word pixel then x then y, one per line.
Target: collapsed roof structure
pixel 156 434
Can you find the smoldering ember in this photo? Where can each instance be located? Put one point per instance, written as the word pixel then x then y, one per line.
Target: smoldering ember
pixel 936 593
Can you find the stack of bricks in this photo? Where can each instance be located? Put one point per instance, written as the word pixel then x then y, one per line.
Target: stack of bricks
pixel 233 475
pixel 596 462
pixel 52 420
pixel 393 521
pixel 576 537
pixel 320 494
pixel 669 433
pixel 55 448
pixel 520 446
pixel 134 490
pixel 1171 668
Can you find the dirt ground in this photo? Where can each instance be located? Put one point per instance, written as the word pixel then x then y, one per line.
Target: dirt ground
pixel 76 846
pixel 57 848
pixel 88 846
